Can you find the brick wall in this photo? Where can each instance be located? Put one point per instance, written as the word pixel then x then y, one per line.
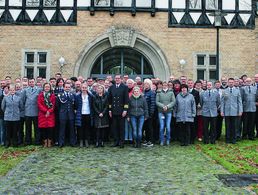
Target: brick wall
pixel 239 48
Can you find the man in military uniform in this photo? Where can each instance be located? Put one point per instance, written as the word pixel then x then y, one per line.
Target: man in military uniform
pixel 118 106
pixel 30 98
pixel 231 109
pixel 249 97
pixel 65 105
pixel 210 102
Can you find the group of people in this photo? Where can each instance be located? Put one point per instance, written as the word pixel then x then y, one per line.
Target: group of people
pixel 141 112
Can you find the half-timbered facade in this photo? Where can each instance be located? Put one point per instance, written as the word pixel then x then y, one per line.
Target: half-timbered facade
pixel 135 37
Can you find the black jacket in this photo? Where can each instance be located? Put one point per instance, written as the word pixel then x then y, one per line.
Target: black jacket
pixel 118 99
pixel 100 105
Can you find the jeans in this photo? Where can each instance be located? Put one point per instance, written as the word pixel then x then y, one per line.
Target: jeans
pixel 128 131
pixel 137 124
pixel 164 120
pixel 2 132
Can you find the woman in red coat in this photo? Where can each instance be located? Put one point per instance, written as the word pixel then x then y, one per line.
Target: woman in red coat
pixel 46 116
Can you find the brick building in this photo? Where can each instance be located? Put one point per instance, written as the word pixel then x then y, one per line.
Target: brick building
pixel 136 37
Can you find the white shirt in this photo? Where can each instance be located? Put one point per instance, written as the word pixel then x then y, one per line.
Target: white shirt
pixel 85 104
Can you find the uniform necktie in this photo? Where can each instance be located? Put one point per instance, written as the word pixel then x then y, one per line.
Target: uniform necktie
pixel 209 92
pixel 230 90
pixel 12 97
pixel 249 89
pixel 32 89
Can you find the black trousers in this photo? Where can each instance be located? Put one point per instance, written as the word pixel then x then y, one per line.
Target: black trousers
pixel 175 132
pixel 231 122
pixel 209 129
pixel 47 133
pixel 118 126
pixel 148 127
pixel 21 131
pixel 194 127
pixel 12 133
pixel 28 123
pixel 85 129
pixel 219 126
pixel 100 132
pixel 185 129
pixel 248 124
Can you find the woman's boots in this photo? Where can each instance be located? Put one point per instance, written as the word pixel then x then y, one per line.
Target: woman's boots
pixel 47 143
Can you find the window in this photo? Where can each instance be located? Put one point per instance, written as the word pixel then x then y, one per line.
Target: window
pixel 123 3
pixel 29 58
pixel 32 3
pixel 36 63
pixel 206 67
pixel 195 4
pixel 15 3
pixel 212 4
pixel 200 60
pixel 143 3
pixel 103 3
pixel 245 4
pixel 49 3
pixel 178 4
pixel 66 3
pixel 2 2
pixel 230 5
pixel 161 3
pixel 213 60
pixel 42 58
pixel 122 61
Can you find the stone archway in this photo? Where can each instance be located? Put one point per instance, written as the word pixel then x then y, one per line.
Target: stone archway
pixel 122 37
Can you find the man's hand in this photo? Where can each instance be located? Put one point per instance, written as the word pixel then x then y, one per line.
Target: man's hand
pixel 110 114
pixel 222 114
pixel 240 114
pixel 100 115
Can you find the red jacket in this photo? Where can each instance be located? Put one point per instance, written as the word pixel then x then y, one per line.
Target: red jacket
pixel 43 121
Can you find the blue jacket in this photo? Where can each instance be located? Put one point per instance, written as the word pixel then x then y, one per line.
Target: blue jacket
pixel 78 107
pixel 150 97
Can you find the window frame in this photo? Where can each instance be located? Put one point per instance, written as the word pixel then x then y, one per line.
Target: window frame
pixel 207 67
pixel 36 65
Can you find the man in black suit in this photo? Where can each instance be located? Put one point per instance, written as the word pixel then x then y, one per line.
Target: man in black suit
pixel 196 95
pixel 118 106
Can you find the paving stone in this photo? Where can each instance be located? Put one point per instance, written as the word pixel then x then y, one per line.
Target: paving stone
pixel 157 170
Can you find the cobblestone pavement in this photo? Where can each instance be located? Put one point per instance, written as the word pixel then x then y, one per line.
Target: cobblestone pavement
pixel 157 170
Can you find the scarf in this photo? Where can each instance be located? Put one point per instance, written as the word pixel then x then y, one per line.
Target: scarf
pixel 47 99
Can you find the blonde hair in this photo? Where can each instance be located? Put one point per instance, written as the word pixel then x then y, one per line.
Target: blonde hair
pixel 149 82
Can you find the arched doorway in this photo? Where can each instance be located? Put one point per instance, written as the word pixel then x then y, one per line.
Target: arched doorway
pixel 124 61
pixel 126 39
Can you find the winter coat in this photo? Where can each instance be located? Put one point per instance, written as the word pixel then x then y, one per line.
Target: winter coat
pixel 138 107
pixel 185 108
pixel 100 105
pixel 165 99
pixel 150 97
pixel 43 121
